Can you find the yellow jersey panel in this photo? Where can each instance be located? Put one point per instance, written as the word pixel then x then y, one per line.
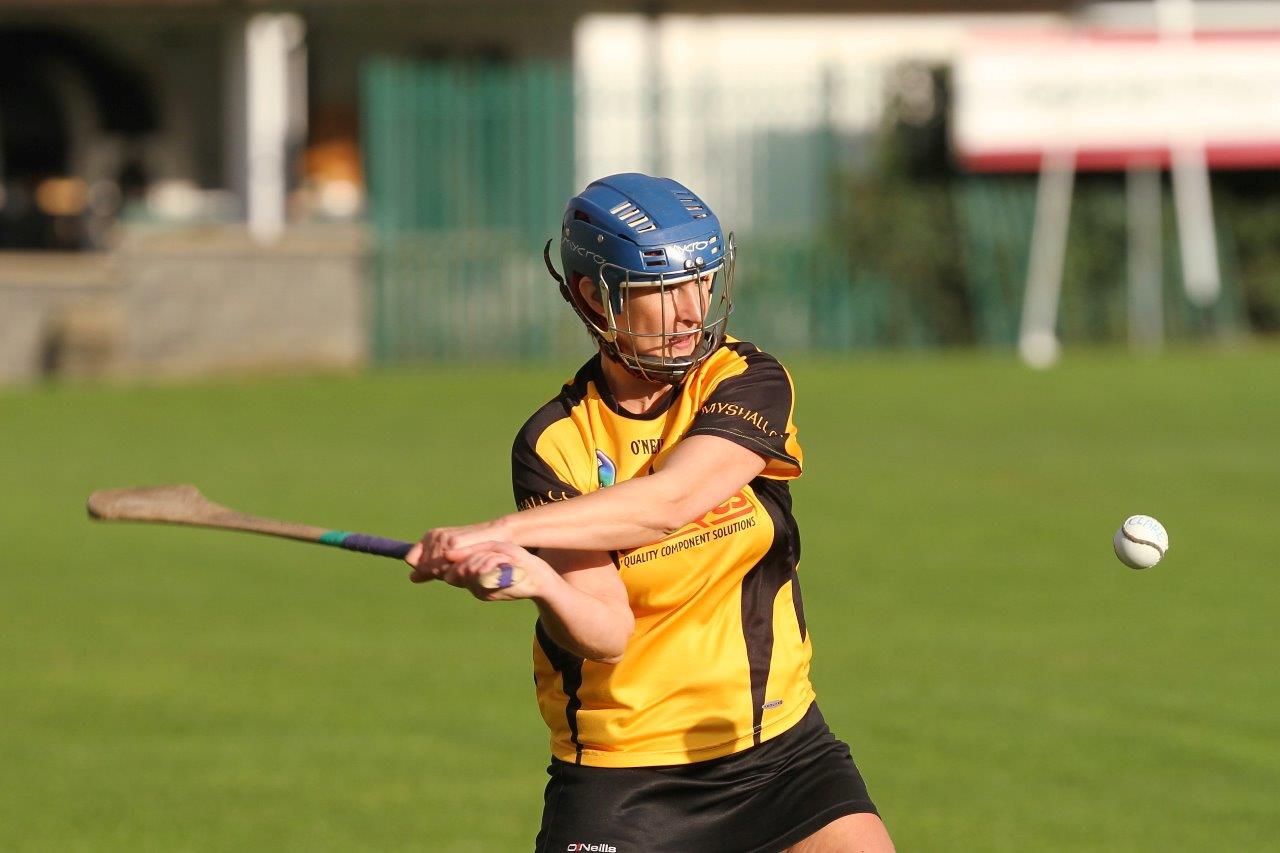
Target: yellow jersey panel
pixel 719 659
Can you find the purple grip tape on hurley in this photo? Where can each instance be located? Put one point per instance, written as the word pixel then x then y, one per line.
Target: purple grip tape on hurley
pixel 506 576
pixel 379 545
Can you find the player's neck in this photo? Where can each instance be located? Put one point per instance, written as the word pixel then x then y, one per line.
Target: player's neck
pixel 631 392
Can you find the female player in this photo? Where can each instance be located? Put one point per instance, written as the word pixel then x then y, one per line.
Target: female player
pixel 671 655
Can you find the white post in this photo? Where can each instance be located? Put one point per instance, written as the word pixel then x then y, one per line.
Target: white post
pixel 271 94
pixel 1038 339
pixel 654 94
pixel 1192 198
pixel 1193 201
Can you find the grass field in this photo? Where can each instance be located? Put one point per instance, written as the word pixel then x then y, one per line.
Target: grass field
pixel 1005 683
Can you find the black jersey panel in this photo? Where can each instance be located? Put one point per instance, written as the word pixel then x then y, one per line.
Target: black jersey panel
pixel 570 669
pixel 752 409
pixel 776 494
pixel 533 481
pixel 760 589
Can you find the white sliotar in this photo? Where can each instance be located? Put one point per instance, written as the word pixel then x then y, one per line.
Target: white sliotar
pixel 1141 542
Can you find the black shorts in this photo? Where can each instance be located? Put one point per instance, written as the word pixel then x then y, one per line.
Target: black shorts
pixel 761 799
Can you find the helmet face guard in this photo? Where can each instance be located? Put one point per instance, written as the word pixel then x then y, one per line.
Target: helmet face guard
pixel 631 234
pixel 646 353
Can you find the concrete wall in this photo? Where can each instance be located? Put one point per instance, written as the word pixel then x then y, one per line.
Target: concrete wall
pixel 41 295
pixel 205 300
pixel 187 302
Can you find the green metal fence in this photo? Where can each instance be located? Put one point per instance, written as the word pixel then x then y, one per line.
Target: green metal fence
pixel 995 217
pixel 469 167
pixel 468 170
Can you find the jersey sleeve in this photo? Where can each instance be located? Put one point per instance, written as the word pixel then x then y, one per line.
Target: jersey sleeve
pixel 540 472
pixel 753 407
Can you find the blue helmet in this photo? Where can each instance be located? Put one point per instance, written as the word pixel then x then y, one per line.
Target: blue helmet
pixel 634 230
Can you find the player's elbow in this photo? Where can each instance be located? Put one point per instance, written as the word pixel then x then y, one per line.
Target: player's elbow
pixel 605 652
pixel 612 644
pixel 612 652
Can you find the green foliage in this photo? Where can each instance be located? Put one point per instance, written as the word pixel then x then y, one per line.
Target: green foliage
pixel 898 225
pixel 1004 682
pixel 910 240
pixel 1248 202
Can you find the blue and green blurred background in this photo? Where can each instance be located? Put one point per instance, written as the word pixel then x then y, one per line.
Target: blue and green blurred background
pixel 292 253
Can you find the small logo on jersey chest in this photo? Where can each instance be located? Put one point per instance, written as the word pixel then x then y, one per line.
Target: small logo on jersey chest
pixel 646 446
pixel 606 470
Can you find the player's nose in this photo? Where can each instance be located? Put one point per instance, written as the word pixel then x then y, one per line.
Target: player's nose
pixel 687 303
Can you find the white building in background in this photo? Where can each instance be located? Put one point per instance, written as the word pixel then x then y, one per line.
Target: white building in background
pixel 738 105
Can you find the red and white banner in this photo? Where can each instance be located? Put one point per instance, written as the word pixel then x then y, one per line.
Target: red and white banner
pixel 1114 99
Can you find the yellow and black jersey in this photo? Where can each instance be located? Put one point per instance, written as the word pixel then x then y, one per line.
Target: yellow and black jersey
pixel 719 660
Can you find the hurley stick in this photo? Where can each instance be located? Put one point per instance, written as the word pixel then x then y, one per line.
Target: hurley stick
pixel 185 505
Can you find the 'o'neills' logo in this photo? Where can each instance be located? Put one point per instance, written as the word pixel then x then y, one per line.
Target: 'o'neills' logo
pixel 733 410
pixel 644 446
pixel 732 516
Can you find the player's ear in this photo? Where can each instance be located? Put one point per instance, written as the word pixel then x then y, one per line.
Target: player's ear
pixel 590 293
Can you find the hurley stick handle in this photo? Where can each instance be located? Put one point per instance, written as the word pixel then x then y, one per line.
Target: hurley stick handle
pixel 185 505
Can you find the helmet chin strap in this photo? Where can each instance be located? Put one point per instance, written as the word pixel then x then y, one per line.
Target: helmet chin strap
pixel 606 335
pixel 658 372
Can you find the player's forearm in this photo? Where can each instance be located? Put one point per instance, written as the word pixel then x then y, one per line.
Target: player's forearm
pixel 584 625
pixel 628 515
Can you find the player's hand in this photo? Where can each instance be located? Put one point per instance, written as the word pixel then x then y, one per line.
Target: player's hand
pixel 489 557
pixel 440 548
